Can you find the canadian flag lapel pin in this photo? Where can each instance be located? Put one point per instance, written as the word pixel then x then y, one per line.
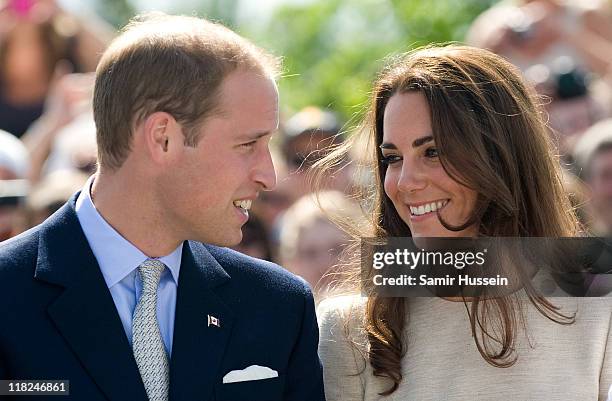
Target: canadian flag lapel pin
pixel 213 321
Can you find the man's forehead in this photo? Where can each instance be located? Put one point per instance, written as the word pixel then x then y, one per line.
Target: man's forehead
pixel 242 81
pixel 250 90
pixel 248 103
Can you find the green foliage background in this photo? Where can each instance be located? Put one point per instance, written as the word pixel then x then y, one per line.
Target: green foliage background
pixel 332 49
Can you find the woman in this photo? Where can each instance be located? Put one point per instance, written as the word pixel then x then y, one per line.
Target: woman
pixel 460 148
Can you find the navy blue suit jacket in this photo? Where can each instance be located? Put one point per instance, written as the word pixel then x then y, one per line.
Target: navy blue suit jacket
pixel 58 321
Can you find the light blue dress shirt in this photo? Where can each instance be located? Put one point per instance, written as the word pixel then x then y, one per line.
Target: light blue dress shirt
pixel 119 261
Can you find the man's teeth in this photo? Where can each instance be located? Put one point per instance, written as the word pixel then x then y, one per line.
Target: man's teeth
pixel 243 204
pixel 427 208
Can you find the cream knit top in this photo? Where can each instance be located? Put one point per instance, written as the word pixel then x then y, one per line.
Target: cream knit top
pixel 555 362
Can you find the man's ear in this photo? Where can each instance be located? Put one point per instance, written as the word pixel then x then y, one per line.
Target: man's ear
pixel 162 135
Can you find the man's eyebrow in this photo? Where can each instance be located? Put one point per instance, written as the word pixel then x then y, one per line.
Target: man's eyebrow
pixel 415 144
pixel 255 136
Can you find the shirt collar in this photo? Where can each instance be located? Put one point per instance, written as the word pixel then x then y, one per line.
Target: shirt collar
pixel 116 256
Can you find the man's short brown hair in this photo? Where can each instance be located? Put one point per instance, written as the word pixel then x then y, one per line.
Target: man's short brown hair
pixel 166 63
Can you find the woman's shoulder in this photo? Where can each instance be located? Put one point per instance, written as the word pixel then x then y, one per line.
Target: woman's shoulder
pixel 341 318
pixel 342 311
pixel 343 347
pixel 341 304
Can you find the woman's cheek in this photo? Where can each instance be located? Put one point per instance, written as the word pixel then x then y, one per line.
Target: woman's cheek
pixel 390 184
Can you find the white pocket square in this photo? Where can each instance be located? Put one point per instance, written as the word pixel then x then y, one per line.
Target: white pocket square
pixel 253 372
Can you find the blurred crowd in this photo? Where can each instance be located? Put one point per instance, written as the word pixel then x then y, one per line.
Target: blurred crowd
pixel 564 48
pixel 48 147
pixel 47 134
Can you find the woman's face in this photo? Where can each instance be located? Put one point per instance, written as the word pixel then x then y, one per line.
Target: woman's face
pixel 415 181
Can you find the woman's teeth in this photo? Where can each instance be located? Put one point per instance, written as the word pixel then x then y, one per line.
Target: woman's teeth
pixel 427 208
pixel 243 204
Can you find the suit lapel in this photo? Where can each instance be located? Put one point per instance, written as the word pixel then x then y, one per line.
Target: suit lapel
pixel 198 346
pixel 85 314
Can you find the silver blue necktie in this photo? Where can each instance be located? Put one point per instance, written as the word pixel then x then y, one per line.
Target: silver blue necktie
pixel 147 343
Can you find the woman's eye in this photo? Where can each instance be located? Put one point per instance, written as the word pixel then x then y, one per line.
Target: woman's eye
pixel 431 153
pixel 390 159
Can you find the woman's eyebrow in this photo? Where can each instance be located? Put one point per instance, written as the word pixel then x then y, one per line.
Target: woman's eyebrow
pixel 421 141
pixel 415 144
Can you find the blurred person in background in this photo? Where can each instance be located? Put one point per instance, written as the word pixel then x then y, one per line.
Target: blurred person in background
pixel 255 239
pixel 306 137
pixel 310 242
pixel 531 32
pixel 14 166
pixel 64 137
pixel 593 158
pixel 564 48
pixel 51 193
pixel 578 193
pixel 307 134
pixel 40 42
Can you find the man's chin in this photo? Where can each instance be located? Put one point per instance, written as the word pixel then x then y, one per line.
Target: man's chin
pixel 225 239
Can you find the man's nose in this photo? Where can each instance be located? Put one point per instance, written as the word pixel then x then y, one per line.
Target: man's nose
pixel 264 172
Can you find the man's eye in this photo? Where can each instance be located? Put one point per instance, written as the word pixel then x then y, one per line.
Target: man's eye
pixel 248 144
pixel 390 159
pixel 431 153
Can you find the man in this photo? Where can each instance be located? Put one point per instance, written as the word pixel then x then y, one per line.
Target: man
pixel 116 292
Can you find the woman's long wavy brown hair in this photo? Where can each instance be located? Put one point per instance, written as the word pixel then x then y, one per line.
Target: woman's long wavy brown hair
pixel 491 136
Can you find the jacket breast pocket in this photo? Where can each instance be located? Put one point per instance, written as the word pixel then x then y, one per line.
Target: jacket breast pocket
pixel 251 390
